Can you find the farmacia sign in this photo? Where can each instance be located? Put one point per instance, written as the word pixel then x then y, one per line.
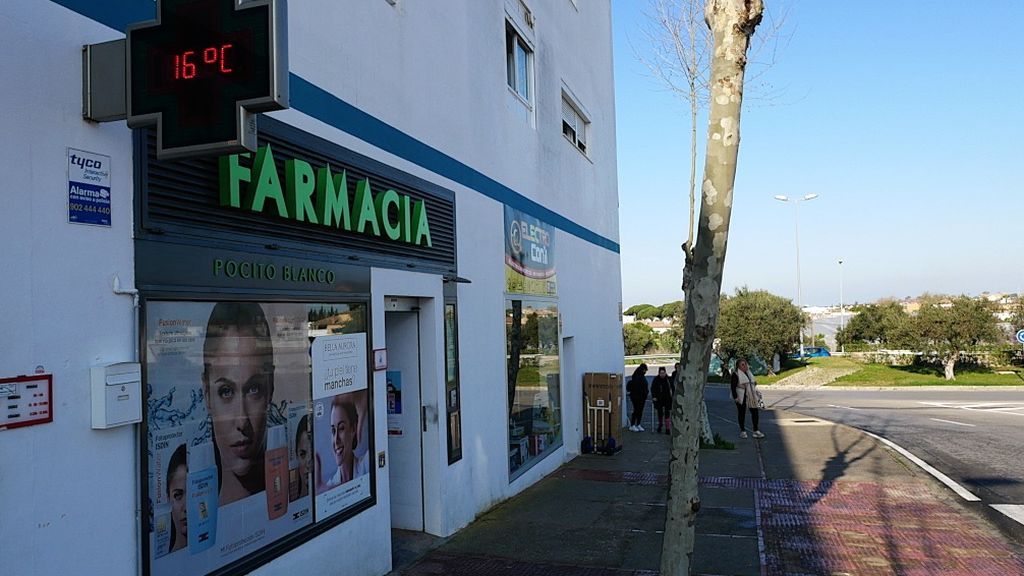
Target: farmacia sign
pixel 321 197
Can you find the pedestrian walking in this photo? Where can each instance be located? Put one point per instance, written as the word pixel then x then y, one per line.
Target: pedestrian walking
pixel 661 396
pixel 637 390
pixel 746 396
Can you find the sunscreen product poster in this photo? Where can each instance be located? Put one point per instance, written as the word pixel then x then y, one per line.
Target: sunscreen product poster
pixel 229 426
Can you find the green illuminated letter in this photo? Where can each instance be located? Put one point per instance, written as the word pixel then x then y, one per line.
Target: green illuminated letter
pixel 298 189
pixel 419 218
pixel 332 199
pixel 406 211
pixel 384 201
pixel 267 183
pixel 364 204
pixel 232 174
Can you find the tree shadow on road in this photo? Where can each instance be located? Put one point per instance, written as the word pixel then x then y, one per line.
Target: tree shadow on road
pixel 862 509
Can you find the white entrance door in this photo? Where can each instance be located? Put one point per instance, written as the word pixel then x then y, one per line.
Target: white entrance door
pixel 405 436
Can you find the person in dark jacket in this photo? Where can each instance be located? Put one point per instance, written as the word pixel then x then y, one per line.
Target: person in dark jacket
pixel 661 396
pixel 637 390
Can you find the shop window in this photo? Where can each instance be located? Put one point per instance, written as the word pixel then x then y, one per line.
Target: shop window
pixel 451 387
pixel 519 64
pixel 258 427
pixel 534 391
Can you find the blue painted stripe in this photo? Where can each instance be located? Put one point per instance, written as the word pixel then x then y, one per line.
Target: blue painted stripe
pixel 117 14
pixel 328 108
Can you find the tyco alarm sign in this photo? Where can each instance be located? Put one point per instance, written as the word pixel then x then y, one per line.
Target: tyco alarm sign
pixel 88 188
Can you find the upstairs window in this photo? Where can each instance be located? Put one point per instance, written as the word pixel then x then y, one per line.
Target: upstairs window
pixel 519 64
pixel 574 125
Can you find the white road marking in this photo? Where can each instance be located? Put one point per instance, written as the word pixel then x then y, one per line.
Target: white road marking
pixel 960 490
pixel 1013 511
pixel 951 422
pixel 1013 408
pixel 843 407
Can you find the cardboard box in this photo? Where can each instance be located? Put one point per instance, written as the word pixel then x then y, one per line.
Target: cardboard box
pixel 602 406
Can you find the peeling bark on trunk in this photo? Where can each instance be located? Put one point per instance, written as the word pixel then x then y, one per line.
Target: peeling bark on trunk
pixel 706 434
pixel 732 22
pixel 948 365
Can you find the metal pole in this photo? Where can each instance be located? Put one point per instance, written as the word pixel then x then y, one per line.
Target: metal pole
pixel 842 311
pixel 799 294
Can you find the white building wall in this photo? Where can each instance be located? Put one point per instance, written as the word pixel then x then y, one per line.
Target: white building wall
pixel 435 71
pixel 67 492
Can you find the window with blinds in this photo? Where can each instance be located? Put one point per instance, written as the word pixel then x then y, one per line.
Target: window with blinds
pixel 574 125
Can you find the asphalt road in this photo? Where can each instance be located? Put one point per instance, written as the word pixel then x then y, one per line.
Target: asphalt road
pixel 975 436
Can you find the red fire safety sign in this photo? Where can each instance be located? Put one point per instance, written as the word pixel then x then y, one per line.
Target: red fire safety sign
pixel 26 400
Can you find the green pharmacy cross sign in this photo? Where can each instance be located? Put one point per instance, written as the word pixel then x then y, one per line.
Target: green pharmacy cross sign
pixel 203 69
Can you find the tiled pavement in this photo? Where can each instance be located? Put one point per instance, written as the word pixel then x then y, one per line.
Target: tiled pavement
pixel 812 498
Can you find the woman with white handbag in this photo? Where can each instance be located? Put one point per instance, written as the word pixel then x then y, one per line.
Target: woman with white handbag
pixel 746 396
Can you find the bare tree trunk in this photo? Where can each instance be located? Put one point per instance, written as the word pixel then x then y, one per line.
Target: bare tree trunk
pixel 732 23
pixel 693 171
pixel 948 364
pixel 706 435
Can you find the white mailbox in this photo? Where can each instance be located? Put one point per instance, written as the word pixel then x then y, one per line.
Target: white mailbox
pixel 116 394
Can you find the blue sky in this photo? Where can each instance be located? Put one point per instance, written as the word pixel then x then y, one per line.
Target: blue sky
pixel 905 117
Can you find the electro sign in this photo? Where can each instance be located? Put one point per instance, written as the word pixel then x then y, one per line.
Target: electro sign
pixel 202 69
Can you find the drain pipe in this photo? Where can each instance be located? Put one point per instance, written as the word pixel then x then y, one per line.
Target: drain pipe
pixel 134 293
pixel 135 313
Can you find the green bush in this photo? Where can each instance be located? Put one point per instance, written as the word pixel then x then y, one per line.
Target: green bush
pixel 720 444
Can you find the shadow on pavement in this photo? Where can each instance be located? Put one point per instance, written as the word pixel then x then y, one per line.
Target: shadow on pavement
pixel 811 498
pixel 837 501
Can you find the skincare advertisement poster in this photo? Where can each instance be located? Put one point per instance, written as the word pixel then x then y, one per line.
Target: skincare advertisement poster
pixel 340 422
pixel 230 427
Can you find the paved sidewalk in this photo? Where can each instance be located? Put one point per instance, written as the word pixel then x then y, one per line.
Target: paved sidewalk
pixel 811 498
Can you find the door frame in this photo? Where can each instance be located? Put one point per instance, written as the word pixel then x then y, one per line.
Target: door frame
pixel 427 290
pixel 411 306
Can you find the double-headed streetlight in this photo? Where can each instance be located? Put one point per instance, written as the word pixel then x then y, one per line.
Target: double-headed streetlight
pixel 796 219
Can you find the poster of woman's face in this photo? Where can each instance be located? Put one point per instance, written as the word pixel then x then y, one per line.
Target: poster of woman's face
pixel 340 422
pixel 177 472
pixel 301 475
pixel 338 434
pixel 238 386
pixel 228 382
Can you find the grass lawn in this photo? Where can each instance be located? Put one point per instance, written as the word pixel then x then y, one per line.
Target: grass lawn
pixel 882 375
pixel 788 369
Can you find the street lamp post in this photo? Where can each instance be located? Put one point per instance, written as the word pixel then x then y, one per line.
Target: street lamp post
pixel 842 311
pixel 796 219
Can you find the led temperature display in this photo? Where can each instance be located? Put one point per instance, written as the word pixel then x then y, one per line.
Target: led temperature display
pixel 195 69
pixel 214 60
